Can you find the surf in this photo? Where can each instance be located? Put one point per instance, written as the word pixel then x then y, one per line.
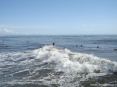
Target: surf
pixel 52 65
pixel 68 61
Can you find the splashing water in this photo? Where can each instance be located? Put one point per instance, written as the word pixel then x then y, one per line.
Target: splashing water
pixel 76 62
pixel 51 66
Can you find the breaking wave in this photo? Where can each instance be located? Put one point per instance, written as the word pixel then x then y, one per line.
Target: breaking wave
pixel 52 65
pixel 68 61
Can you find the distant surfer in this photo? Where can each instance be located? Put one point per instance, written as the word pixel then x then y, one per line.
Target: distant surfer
pixel 97 46
pixel 115 49
pixel 81 45
pixel 53 43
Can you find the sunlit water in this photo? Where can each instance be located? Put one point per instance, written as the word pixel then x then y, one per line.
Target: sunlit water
pixel 74 61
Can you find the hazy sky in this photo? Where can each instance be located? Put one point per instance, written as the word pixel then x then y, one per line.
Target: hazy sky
pixel 58 17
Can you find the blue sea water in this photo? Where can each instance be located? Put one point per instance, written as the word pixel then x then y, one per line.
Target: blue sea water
pixel 84 43
pixel 74 61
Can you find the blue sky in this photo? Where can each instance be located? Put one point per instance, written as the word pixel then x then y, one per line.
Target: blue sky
pixel 58 17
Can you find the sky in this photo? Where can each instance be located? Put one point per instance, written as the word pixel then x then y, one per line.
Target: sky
pixel 58 17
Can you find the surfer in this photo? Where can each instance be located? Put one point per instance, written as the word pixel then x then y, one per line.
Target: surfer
pixel 97 46
pixel 81 45
pixel 115 49
pixel 53 43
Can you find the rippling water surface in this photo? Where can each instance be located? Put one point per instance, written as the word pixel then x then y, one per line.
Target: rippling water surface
pixel 74 61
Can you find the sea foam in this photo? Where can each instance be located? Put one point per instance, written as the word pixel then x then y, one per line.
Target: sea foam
pixel 53 65
pixel 69 61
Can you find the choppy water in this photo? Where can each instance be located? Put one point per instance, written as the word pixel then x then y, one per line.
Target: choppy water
pixel 75 61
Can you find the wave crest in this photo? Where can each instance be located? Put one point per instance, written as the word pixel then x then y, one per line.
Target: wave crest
pixel 69 61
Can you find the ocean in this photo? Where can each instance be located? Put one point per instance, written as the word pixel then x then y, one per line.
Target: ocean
pixel 74 61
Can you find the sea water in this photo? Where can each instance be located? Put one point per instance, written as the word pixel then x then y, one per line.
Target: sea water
pixel 74 61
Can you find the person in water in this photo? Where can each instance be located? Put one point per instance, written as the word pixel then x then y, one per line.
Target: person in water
pixel 97 46
pixel 81 45
pixel 53 43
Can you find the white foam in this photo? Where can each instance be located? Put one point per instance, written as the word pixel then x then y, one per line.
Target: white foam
pixel 68 61
pixel 15 58
pixel 76 66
